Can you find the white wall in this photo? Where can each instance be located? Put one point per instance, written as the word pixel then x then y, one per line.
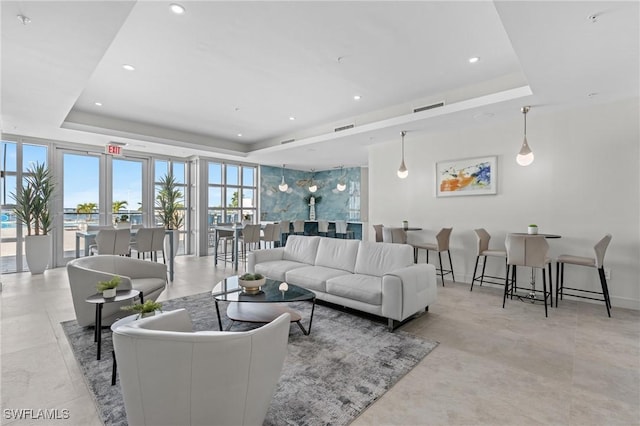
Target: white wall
pixel 584 183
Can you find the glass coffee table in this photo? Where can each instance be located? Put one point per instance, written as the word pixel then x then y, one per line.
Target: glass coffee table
pixel 265 306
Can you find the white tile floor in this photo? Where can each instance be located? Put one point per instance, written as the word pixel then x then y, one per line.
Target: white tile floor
pixel 494 366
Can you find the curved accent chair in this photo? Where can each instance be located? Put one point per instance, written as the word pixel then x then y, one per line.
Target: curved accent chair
pixel 441 244
pixel 149 278
pixel 171 375
pixel 530 251
pixel 592 262
pixel 484 251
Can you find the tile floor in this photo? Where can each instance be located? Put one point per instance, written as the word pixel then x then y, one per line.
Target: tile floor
pixel 494 366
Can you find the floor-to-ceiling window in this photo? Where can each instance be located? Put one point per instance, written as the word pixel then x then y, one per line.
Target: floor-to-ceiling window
pixel 179 169
pixel 17 159
pixel 231 193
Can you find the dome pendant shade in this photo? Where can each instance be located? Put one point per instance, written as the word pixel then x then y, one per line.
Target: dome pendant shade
pixel 525 156
pixel 283 185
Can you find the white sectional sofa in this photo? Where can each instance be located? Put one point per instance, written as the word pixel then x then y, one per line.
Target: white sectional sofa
pixel 378 278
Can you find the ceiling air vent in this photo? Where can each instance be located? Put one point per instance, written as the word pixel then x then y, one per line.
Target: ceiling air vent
pixel 287 141
pixel 424 108
pixel 341 128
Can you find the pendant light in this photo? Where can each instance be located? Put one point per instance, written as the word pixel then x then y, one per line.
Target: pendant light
pixel 283 185
pixel 402 171
pixel 312 186
pixel 342 185
pixel 525 156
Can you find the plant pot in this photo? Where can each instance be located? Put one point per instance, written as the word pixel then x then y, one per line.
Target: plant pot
pixel 176 242
pixel 253 286
pixel 147 314
pixel 532 230
pixel 110 292
pixel 405 225
pixel 38 252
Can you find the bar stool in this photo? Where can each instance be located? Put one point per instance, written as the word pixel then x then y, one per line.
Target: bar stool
pixel 441 244
pixel 394 235
pixel 342 231
pixel 483 238
pixel 323 228
pixel 270 234
pixel 378 230
pixel 285 229
pixel 298 227
pixel 592 262
pixel 530 251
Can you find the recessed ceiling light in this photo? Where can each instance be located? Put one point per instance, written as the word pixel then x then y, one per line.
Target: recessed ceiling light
pixel 98 103
pixel 474 60
pixel 239 135
pixel 356 97
pixel 592 94
pixel 292 118
pixel 129 67
pixel 177 9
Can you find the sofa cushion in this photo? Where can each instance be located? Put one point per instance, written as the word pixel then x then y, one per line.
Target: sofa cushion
pixel 276 269
pixel 338 254
pixel 379 258
pixel 363 288
pixel 301 249
pixel 313 277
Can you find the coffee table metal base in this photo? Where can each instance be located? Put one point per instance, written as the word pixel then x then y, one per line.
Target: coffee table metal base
pixel 263 313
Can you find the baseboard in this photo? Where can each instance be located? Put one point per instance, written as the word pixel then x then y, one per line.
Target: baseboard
pixel 616 301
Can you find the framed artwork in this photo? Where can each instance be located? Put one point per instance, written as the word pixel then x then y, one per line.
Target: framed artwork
pixel 467 176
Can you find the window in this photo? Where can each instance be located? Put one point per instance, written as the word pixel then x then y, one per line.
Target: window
pixel 232 193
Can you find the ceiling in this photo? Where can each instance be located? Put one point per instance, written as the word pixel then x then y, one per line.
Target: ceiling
pixel 223 69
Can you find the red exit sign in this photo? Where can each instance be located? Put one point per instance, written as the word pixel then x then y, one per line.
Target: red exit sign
pixel 113 149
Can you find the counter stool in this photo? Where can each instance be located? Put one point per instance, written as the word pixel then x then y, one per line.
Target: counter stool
pixel 394 235
pixel 441 244
pixel 530 251
pixel 323 228
pixel 483 238
pixel 285 230
pixel 592 262
pixel 298 227
pixel 341 230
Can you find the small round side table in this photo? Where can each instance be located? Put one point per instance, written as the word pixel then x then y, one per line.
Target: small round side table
pixel 99 301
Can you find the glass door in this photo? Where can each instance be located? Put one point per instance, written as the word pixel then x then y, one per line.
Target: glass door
pixel 127 191
pixel 83 199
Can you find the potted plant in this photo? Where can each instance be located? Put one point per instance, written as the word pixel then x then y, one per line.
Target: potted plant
pixel 32 210
pixel 169 207
pixel 145 309
pixel 122 221
pixel 251 283
pixel 532 229
pixel 108 288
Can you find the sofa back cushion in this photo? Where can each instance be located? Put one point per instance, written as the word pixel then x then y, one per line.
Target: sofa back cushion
pixel 380 258
pixel 337 253
pixel 302 249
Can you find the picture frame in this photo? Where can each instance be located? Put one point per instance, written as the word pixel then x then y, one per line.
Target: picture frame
pixel 467 176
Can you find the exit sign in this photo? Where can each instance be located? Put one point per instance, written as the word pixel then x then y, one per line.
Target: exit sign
pixel 113 149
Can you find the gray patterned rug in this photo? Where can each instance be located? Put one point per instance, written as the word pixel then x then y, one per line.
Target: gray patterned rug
pixel 329 377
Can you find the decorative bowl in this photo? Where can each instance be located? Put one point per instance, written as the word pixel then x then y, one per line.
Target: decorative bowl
pixel 251 286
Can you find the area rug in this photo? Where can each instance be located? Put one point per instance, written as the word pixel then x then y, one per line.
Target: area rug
pixel 329 377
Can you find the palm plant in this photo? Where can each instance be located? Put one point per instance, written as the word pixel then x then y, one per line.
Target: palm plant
pixel 32 200
pixel 118 205
pixel 87 208
pixel 169 208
